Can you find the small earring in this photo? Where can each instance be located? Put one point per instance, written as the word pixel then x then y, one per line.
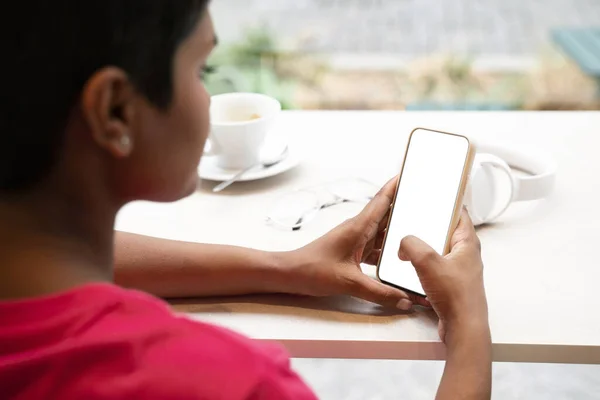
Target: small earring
pixel 125 141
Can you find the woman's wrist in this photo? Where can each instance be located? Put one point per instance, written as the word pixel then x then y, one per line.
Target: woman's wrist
pixel 278 272
pixel 290 272
pixel 471 328
pixel 469 315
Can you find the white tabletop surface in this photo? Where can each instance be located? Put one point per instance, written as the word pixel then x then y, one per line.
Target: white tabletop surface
pixel 541 264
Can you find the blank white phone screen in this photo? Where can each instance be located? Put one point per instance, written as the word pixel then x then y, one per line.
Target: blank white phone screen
pixel 425 202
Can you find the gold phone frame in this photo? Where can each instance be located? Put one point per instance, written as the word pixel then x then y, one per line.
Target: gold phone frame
pixel 458 202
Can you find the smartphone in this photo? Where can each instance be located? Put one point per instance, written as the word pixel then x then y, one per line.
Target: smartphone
pixel 428 201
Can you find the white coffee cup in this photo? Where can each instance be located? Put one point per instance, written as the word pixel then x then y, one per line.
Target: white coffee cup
pixel 239 126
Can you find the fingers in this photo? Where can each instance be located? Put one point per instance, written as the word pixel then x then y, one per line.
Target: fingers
pixel 442 331
pixel 384 221
pixel 375 245
pixel 371 290
pixel 419 300
pixel 379 207
pixel 375 213
pixel 465 232
pixel 373 257
pixel 465 224
pixel 389 188
pixel 378 242
pixel 419 253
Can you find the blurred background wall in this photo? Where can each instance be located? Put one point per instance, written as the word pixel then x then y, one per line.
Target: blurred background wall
pixel 412 54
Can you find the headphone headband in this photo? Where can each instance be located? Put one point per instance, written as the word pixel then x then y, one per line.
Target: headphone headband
pixel 541 169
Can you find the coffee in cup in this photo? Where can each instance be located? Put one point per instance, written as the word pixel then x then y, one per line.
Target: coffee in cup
pixel 239 126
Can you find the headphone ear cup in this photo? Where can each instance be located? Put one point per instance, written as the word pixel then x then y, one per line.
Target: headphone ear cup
pixel 467 203
pixel 481 193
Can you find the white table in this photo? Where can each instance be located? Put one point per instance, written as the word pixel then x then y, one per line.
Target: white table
pixel 542 270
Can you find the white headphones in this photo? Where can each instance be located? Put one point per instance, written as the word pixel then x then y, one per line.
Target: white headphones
pixel 481 195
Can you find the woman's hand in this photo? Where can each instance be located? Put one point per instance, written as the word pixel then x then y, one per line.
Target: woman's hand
pixel 454 283
pixel 331 264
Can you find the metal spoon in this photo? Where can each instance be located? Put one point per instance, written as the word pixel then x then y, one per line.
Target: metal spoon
pixel 264 164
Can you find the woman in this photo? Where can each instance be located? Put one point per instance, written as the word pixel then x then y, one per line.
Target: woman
pixel 104 104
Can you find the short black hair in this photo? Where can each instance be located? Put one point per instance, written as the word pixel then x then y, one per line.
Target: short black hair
pixel 50 48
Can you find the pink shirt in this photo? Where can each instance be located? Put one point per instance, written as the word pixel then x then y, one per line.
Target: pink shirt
pixel 103 342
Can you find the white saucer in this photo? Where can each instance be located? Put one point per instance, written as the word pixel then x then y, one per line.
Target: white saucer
pixel 209 170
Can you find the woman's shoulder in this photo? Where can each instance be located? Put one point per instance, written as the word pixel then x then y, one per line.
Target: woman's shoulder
pixel 152 323
pixel 191 354
pixel 125 342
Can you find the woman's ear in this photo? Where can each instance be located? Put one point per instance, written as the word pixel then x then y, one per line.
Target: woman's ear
pixel 108 106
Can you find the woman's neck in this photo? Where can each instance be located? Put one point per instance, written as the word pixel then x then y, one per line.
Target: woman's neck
pixel 52 241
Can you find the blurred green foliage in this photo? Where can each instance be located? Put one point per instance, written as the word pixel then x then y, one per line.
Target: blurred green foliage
pixel 450 82
pixel 250 66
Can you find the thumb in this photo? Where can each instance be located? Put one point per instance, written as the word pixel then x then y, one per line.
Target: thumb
pixel 376 210
pixel 367 288
pixel 419 253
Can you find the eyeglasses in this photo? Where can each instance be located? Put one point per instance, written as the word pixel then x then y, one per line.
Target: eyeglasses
pixel 295 209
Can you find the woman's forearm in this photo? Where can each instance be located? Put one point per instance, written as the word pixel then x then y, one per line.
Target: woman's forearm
pixel 468 371
pixel 170 269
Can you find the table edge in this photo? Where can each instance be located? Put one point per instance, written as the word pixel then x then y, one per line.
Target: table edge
pixel 436 351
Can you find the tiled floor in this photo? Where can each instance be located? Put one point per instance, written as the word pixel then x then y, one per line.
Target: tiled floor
pixel 387 380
